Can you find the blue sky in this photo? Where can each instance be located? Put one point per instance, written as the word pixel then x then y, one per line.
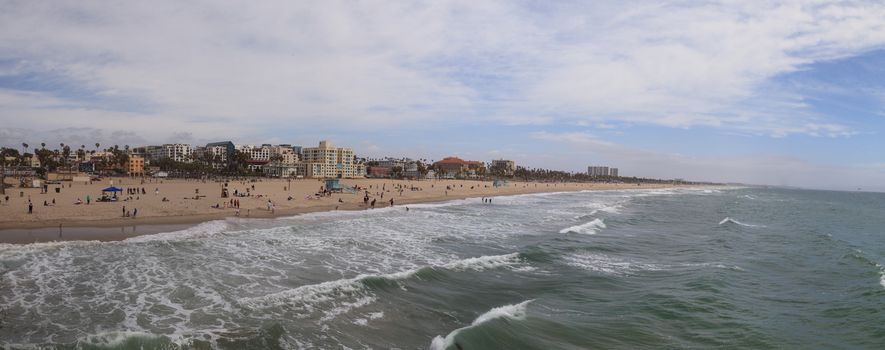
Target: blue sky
pixel 780 93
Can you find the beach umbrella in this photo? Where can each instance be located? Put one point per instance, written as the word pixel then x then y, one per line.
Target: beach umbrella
pixel 112 189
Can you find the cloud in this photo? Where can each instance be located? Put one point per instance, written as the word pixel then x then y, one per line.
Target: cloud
pixel 771 169
pixel 247 70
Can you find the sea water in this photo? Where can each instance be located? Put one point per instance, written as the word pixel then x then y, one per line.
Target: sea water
pixel 675 268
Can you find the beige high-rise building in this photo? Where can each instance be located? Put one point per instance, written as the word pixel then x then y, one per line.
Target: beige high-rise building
pixel 327 161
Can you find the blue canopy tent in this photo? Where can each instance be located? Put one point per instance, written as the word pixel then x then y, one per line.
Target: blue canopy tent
pixel 104 194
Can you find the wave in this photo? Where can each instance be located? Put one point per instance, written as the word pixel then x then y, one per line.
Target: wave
pixel 861 256
pixel 326 291
pixel 512 311
pixel 589 228
pixel 607 264
pixel 206 229
pixel 733 221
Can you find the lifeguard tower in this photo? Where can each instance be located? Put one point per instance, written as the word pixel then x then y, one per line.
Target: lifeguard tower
pixel 332 185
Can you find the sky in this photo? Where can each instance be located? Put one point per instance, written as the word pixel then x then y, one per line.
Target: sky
pixel 785 93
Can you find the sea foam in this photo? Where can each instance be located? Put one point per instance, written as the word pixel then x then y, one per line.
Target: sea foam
pixel 202 230
pixel 316 293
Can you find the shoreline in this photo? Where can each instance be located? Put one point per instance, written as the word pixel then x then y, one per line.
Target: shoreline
pixel 115 229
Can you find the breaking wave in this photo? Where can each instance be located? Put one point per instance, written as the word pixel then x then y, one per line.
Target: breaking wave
pixel 728 220
pixel 589 228
pixel 512 311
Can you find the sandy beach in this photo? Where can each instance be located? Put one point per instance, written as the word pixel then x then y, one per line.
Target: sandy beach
pixel 195 201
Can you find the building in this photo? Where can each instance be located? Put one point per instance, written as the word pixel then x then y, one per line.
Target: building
pixel 503 167
pixel 377 171
pixel 179 152
pixel 327 161
pixel 410 170
pixel 219 154
pixel 285 154
pixel 597 171
pixel 256 166
pixel 284 171
pixel 613 172
pixel 135 166
pixel 454 166
pixel 153 153
pixel 257 153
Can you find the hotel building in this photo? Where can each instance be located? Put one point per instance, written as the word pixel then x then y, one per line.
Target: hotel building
pixel 327 161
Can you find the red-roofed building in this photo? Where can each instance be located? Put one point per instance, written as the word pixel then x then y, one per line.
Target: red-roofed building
pixel 453 166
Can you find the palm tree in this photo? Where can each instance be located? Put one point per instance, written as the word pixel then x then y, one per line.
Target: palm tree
pixel 42 144
pixel 25 146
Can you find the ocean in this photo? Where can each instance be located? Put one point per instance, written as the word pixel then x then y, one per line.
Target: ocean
pixel 669 268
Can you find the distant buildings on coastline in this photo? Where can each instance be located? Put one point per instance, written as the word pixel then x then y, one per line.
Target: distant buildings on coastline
pixel 601 171
pixel 225 158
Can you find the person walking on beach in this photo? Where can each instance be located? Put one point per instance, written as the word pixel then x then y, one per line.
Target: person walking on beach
pixel 88 199
pixel 134 213
pixel 373 204
pixel 391 202
pixel 30 208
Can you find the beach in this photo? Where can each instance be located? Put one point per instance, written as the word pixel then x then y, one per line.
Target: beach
pixel 194 201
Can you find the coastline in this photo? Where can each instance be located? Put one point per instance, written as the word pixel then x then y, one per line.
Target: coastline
pixel 119 228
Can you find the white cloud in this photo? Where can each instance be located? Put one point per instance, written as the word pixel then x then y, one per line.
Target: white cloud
pixel 243 68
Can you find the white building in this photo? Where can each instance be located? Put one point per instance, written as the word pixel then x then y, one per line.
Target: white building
pixel 597 171
pixel 178 152
pixel 613 172
pixel 507 167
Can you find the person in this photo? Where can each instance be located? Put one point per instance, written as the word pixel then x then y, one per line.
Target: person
pixel 88 199
pixel 391 202
pixel 407 209
pixel 134 213
pixel 124 210
pixel 45 204
pixel 373 204
pixel 30 208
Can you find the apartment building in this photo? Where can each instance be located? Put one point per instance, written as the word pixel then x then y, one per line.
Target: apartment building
pixel 179 152
pixel 505 167
pixel 327 161
pixel 597 171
